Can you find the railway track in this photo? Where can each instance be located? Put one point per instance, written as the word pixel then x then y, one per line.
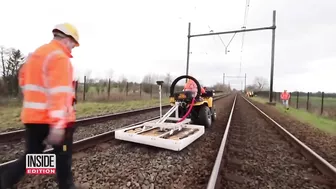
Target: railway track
pixel 257 152
pixel 318 140
pixel 19 134
pixel 247 153
pixel 104 124
pixel 13 149
pixel 92 160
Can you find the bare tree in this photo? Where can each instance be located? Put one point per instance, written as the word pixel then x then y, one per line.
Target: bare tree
pixel 147 79
pixel 122 83
pixel 146 83
pixel 221 87
pixel 259 84
pixel 168 78
pixel 4 54
pixel 11 60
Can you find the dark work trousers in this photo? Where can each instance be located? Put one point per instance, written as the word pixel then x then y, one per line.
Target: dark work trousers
pixel 35 135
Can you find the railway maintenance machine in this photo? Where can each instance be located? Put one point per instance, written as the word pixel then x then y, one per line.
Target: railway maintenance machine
pixel 175 132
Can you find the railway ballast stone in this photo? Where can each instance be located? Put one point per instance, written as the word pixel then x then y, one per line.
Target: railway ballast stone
pixel 15 149
pixel 321 142
pixel 119 164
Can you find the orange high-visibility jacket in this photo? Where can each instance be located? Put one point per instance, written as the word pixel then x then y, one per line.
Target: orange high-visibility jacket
pixel 191 85
pixel 285 96
pixel 46 82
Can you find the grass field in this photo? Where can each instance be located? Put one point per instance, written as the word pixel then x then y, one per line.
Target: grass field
pixel 315 101
pixel 314 104
pixel 319 122
pixel 10 115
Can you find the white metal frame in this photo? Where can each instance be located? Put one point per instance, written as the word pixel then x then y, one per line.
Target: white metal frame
pixel 168 126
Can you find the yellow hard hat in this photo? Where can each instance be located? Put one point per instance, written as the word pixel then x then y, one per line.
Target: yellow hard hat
pixel 69 30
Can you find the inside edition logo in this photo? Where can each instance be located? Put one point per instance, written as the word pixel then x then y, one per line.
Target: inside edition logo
pixel 40 164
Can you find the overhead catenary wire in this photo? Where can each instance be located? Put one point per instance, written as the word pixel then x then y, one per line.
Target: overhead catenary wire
pixel 218 36
pixel 243 34
pixel 225 46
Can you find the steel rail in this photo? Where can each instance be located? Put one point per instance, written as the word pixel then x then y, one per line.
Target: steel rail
pixel 321 164
pixel 215 170
pixel 94 140
pixel 19 134
pixel 85 143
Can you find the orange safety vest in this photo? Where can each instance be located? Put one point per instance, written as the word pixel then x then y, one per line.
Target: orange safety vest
pixel 46 83
pixel 191 85
pixel 285 96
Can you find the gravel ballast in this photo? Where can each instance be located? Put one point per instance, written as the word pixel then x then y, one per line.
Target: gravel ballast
pixel 321 142
pixel 258 156
pixel 15 149
pixel 118 164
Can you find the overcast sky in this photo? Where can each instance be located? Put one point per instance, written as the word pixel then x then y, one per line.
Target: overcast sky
pixel 134 38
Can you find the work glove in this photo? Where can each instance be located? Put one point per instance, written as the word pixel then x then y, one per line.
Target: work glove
pixel 56 136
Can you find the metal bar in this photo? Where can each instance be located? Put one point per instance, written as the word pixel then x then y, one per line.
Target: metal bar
pixel 160 87
pixel 307 103
pixel 188 50
pixel 170 132
pixel 322 103
pixel 272 57
pixel 233 31
pixel 164 134
pixel 188 133
pixel 144 129
pixel 297 100
pixel 164 117
pixel 215 169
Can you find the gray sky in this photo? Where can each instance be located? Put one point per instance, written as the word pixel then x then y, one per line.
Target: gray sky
pixel 134 38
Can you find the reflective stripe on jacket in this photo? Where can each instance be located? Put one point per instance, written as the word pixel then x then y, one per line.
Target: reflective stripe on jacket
pixel 285 96
pixel 46 82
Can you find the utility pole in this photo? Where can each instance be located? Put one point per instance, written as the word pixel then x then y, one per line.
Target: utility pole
pixel 188 50
pixel 272 59
pixel 273 27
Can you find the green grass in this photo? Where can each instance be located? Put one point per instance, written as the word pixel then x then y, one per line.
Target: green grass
pixel 10 115
pixel 315 101
pixel 319 122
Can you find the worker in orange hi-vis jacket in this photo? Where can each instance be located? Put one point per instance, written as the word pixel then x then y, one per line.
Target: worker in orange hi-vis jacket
pixel 191 86
pixel 285 96
pixel 48 99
